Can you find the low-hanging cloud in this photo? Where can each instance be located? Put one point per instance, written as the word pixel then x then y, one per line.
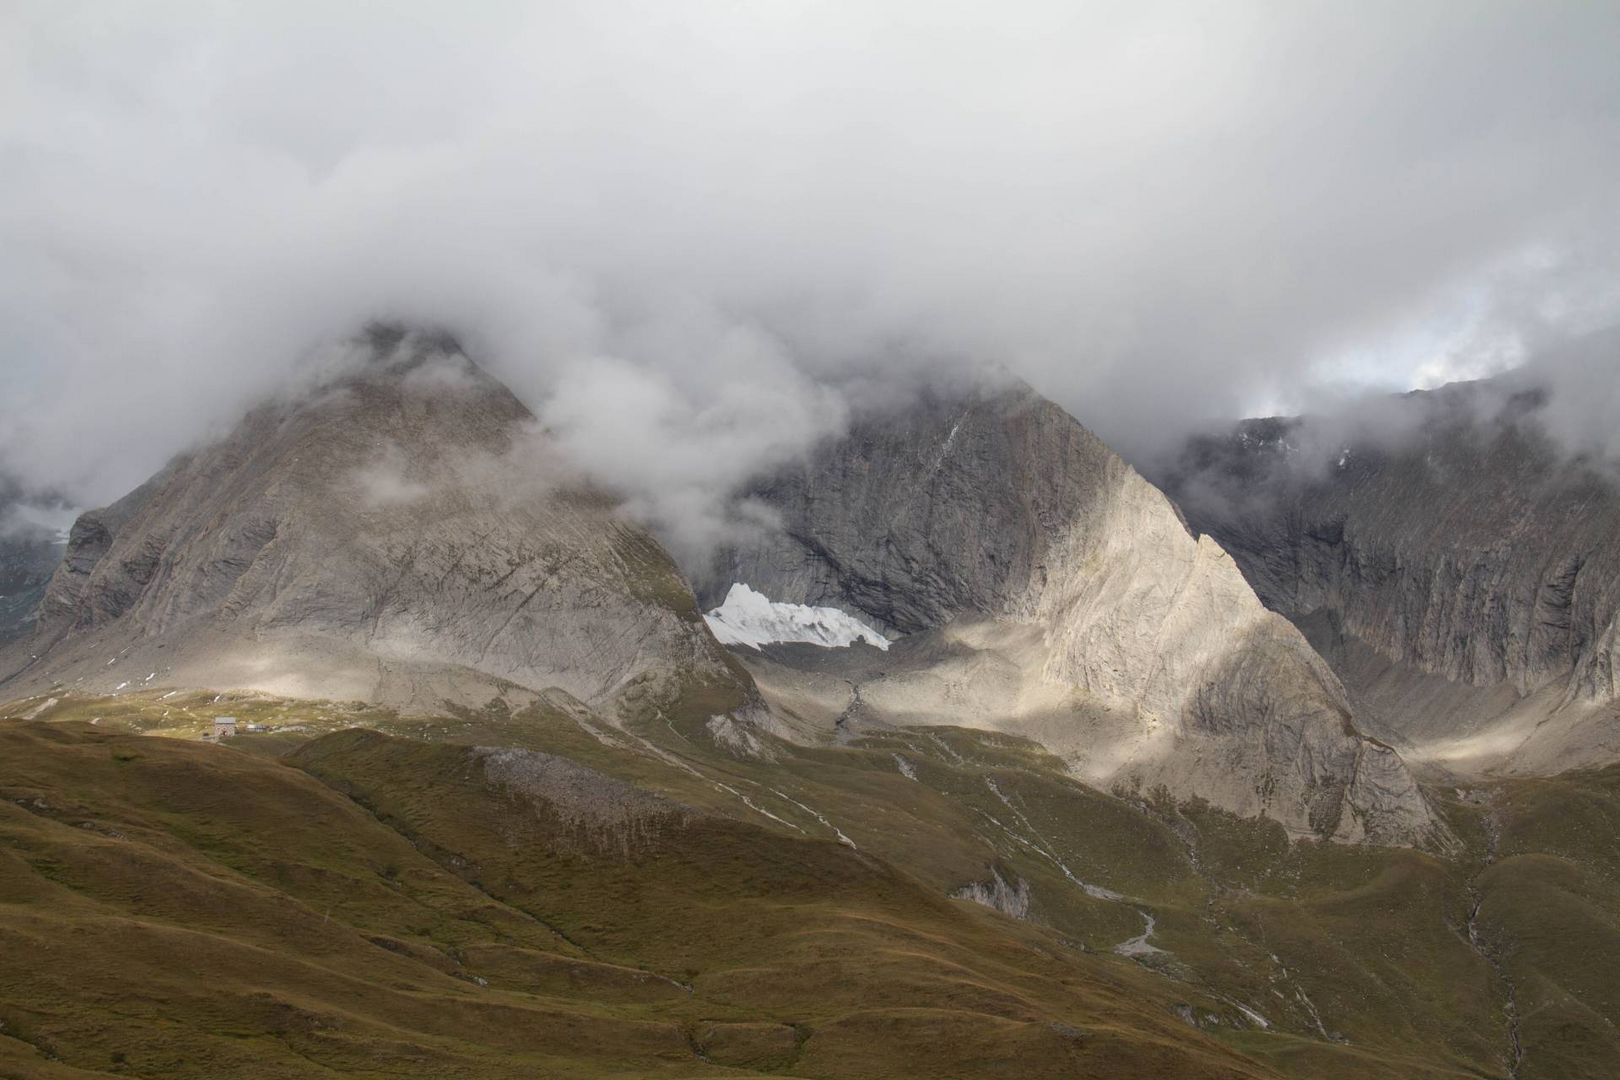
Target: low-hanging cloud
pixel 689 235
pixel 677 438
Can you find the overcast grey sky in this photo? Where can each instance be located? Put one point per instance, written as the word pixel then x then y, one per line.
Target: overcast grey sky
pixel 680 228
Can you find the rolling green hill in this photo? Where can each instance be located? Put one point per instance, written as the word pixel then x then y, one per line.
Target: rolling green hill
pixel 349 891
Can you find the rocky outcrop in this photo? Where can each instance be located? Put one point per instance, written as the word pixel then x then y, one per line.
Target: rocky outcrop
pixel 1011 898
pixel 1459 569
pixel 403 533
pixel 1049 589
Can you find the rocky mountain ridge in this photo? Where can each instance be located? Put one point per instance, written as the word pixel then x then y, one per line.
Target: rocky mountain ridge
pixel 405 534
pixel 1462 573
pixel 1054 592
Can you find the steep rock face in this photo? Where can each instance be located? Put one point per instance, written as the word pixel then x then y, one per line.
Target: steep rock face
pixel 1061 595
pixel 916 516
pixel 403 535
pixel 1464 575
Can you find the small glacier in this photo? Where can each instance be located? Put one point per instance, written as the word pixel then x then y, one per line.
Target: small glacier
pixel 749 618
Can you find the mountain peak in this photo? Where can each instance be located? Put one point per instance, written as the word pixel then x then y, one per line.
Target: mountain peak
pixel 386 338
pixel 1040 586
pixel 401 533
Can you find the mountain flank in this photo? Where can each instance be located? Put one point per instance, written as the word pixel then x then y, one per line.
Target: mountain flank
pixel 1462 574
pixel 402 533
pixel 1044 587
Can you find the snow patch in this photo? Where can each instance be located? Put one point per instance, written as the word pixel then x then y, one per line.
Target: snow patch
pixel 749 618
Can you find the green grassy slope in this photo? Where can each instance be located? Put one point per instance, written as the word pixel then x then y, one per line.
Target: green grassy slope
pixel 379 907
pixel 1549 914
pixel 802 901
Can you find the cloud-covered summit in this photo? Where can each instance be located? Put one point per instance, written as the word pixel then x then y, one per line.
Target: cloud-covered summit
pixel 694 236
